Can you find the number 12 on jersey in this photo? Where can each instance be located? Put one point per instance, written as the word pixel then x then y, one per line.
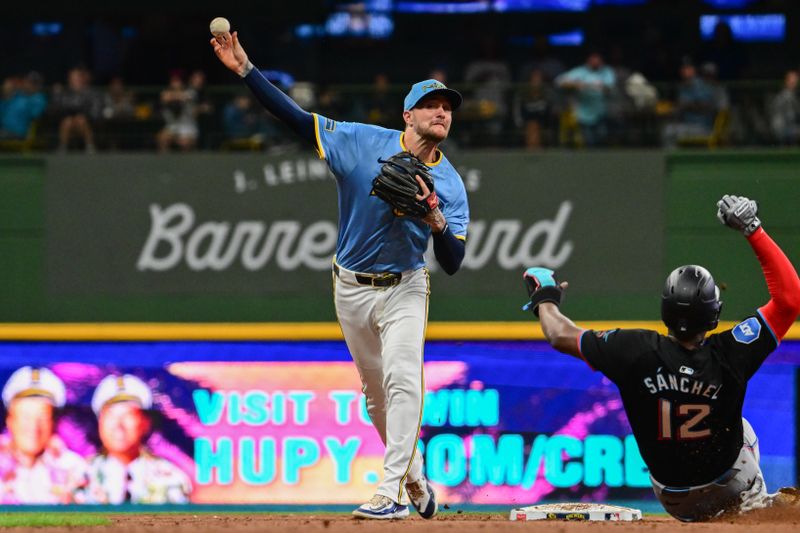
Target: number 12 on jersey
pixel 693 412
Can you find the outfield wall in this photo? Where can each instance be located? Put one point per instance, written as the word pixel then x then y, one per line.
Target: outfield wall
pixel 248 238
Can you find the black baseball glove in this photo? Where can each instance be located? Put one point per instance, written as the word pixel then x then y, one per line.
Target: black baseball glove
pixel 397 185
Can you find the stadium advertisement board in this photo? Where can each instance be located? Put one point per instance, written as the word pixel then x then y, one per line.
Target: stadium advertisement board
pixel 72 232
pixel 284 423
pixel 251 226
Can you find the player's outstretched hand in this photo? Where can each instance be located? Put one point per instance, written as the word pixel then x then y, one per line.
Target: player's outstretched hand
pixel 542 287
pixel 739 213
pixel 230 52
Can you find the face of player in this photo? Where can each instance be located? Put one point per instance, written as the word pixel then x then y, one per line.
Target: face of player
pixel 122 428
pixel 431 118
pixel 30 422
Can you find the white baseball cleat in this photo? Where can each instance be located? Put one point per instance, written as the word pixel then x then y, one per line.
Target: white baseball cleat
pixel 422 497
pixel 381 508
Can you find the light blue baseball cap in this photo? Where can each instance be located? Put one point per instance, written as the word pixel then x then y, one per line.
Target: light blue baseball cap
pixel 424 88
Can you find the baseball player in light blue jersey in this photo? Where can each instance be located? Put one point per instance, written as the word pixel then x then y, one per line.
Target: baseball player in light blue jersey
pixel 381 285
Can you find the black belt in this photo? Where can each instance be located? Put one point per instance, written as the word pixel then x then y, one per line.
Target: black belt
pixel 385 279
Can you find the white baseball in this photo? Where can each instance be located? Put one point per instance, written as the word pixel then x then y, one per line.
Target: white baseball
pixel 219 26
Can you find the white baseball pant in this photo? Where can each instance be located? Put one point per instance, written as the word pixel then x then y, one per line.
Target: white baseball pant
pixel 741 488
pixel 384 328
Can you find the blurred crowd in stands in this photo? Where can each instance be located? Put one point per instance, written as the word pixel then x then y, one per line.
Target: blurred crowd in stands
pixel 600 103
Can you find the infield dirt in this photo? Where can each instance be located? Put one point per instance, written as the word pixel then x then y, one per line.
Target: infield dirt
pixel 767 521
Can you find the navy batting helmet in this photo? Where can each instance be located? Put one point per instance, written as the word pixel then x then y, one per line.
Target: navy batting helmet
pixel 690 302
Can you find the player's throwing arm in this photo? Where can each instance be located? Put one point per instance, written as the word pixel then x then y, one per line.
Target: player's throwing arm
pixel 396 190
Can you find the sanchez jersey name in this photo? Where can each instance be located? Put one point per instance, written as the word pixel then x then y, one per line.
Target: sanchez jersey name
pixel 663 382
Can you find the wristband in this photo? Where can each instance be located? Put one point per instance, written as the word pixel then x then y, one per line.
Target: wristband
pixel 444 230
pixel 247 68
pixel 545 294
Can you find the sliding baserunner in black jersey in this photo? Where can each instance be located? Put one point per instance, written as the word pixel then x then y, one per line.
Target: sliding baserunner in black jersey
pixel 683 393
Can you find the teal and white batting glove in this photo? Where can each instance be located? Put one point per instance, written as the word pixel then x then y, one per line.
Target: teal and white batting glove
pixel 739 213
pixel 542 287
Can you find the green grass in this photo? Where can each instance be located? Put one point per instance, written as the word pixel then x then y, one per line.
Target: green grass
pixel 23 519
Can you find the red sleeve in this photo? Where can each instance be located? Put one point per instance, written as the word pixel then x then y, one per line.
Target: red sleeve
pixel 782 281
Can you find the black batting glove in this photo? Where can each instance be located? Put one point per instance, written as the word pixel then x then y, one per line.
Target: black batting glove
pixel 542 287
